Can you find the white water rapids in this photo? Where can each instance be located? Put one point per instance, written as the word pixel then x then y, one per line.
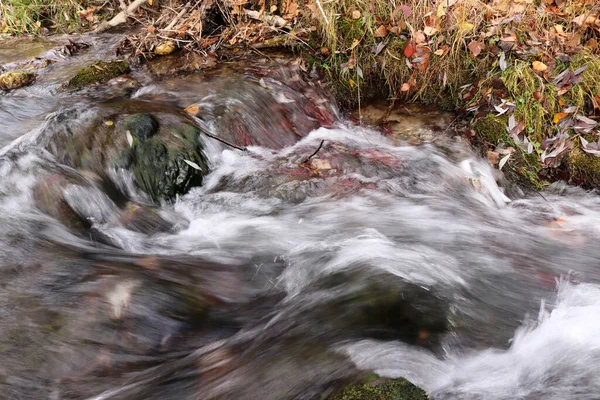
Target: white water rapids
pixel 406 260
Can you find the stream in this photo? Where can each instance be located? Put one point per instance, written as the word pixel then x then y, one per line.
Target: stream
pixel 321 249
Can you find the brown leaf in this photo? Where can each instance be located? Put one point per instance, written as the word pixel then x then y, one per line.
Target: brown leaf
pixel 380 32
pixel 475 48
pixel 493 157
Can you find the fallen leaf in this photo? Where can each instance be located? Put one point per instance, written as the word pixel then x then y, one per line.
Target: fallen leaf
pixel 409 50
pixel 502 62
pixel 559 116
pixel 430 30
pixel 355 43
pixel 193 165
pixel 475 47
pixel 381 31
pixel 192 110
pixel 465 26
pixel 356 14
pixel 129 138
pixel 320 164
pixel 109 123
pixel 405 87
pixel 439 52
pixel 539 66
pixel 503 161
pixel 493 157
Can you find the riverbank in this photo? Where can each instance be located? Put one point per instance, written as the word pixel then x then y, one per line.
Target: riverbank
pixel 525 74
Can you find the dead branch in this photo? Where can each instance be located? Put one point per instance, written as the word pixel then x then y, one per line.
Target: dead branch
pixel 121 17
pixel 172 24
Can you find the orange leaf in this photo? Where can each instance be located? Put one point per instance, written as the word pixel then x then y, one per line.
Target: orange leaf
pixel 381 31
pixel 558 117
pixel 192 110
pixel 405 87
pixel 539 66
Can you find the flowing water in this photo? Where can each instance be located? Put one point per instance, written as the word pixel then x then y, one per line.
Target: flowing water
pixel 316 253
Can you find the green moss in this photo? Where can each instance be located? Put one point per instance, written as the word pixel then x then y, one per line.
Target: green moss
pixel 400 389
pixel 490 129
pixel 490 132
pixel 584 168
pixel 98 72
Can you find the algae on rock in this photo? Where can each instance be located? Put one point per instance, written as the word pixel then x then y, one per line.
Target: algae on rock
pixel 399 389
pixel 99 72
pixel 15 80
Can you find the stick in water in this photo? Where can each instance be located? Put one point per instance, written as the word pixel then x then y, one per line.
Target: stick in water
pixel 315 153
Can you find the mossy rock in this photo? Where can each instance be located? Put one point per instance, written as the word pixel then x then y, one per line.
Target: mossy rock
pixel 584 169
pixel 398 389
pixel 141 126
pixel 162 172
pixel 99 72
pixel 15 80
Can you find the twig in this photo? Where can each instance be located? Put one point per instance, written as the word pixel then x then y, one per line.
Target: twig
pixel 172 24
pixel 315 153
pixel 322 11
pixel 210 135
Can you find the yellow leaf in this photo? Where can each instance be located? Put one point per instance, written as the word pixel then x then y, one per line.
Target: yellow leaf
pixel 352 84
pixel 355 43
pixel 558 117
pixel 109 123
pixel 439 52
pixel 465 26
pixel 273 8
pixel 539 66
pixel 150 2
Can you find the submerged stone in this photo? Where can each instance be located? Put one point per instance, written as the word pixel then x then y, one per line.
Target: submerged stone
pixel 142 126
pixel 144 219
pixel 398 389
pixel 98 72
pixel 15 80
pixel 163 170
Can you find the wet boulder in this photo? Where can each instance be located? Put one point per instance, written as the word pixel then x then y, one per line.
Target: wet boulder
pixel 144 219
pixel 15 80
pixel 49 198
